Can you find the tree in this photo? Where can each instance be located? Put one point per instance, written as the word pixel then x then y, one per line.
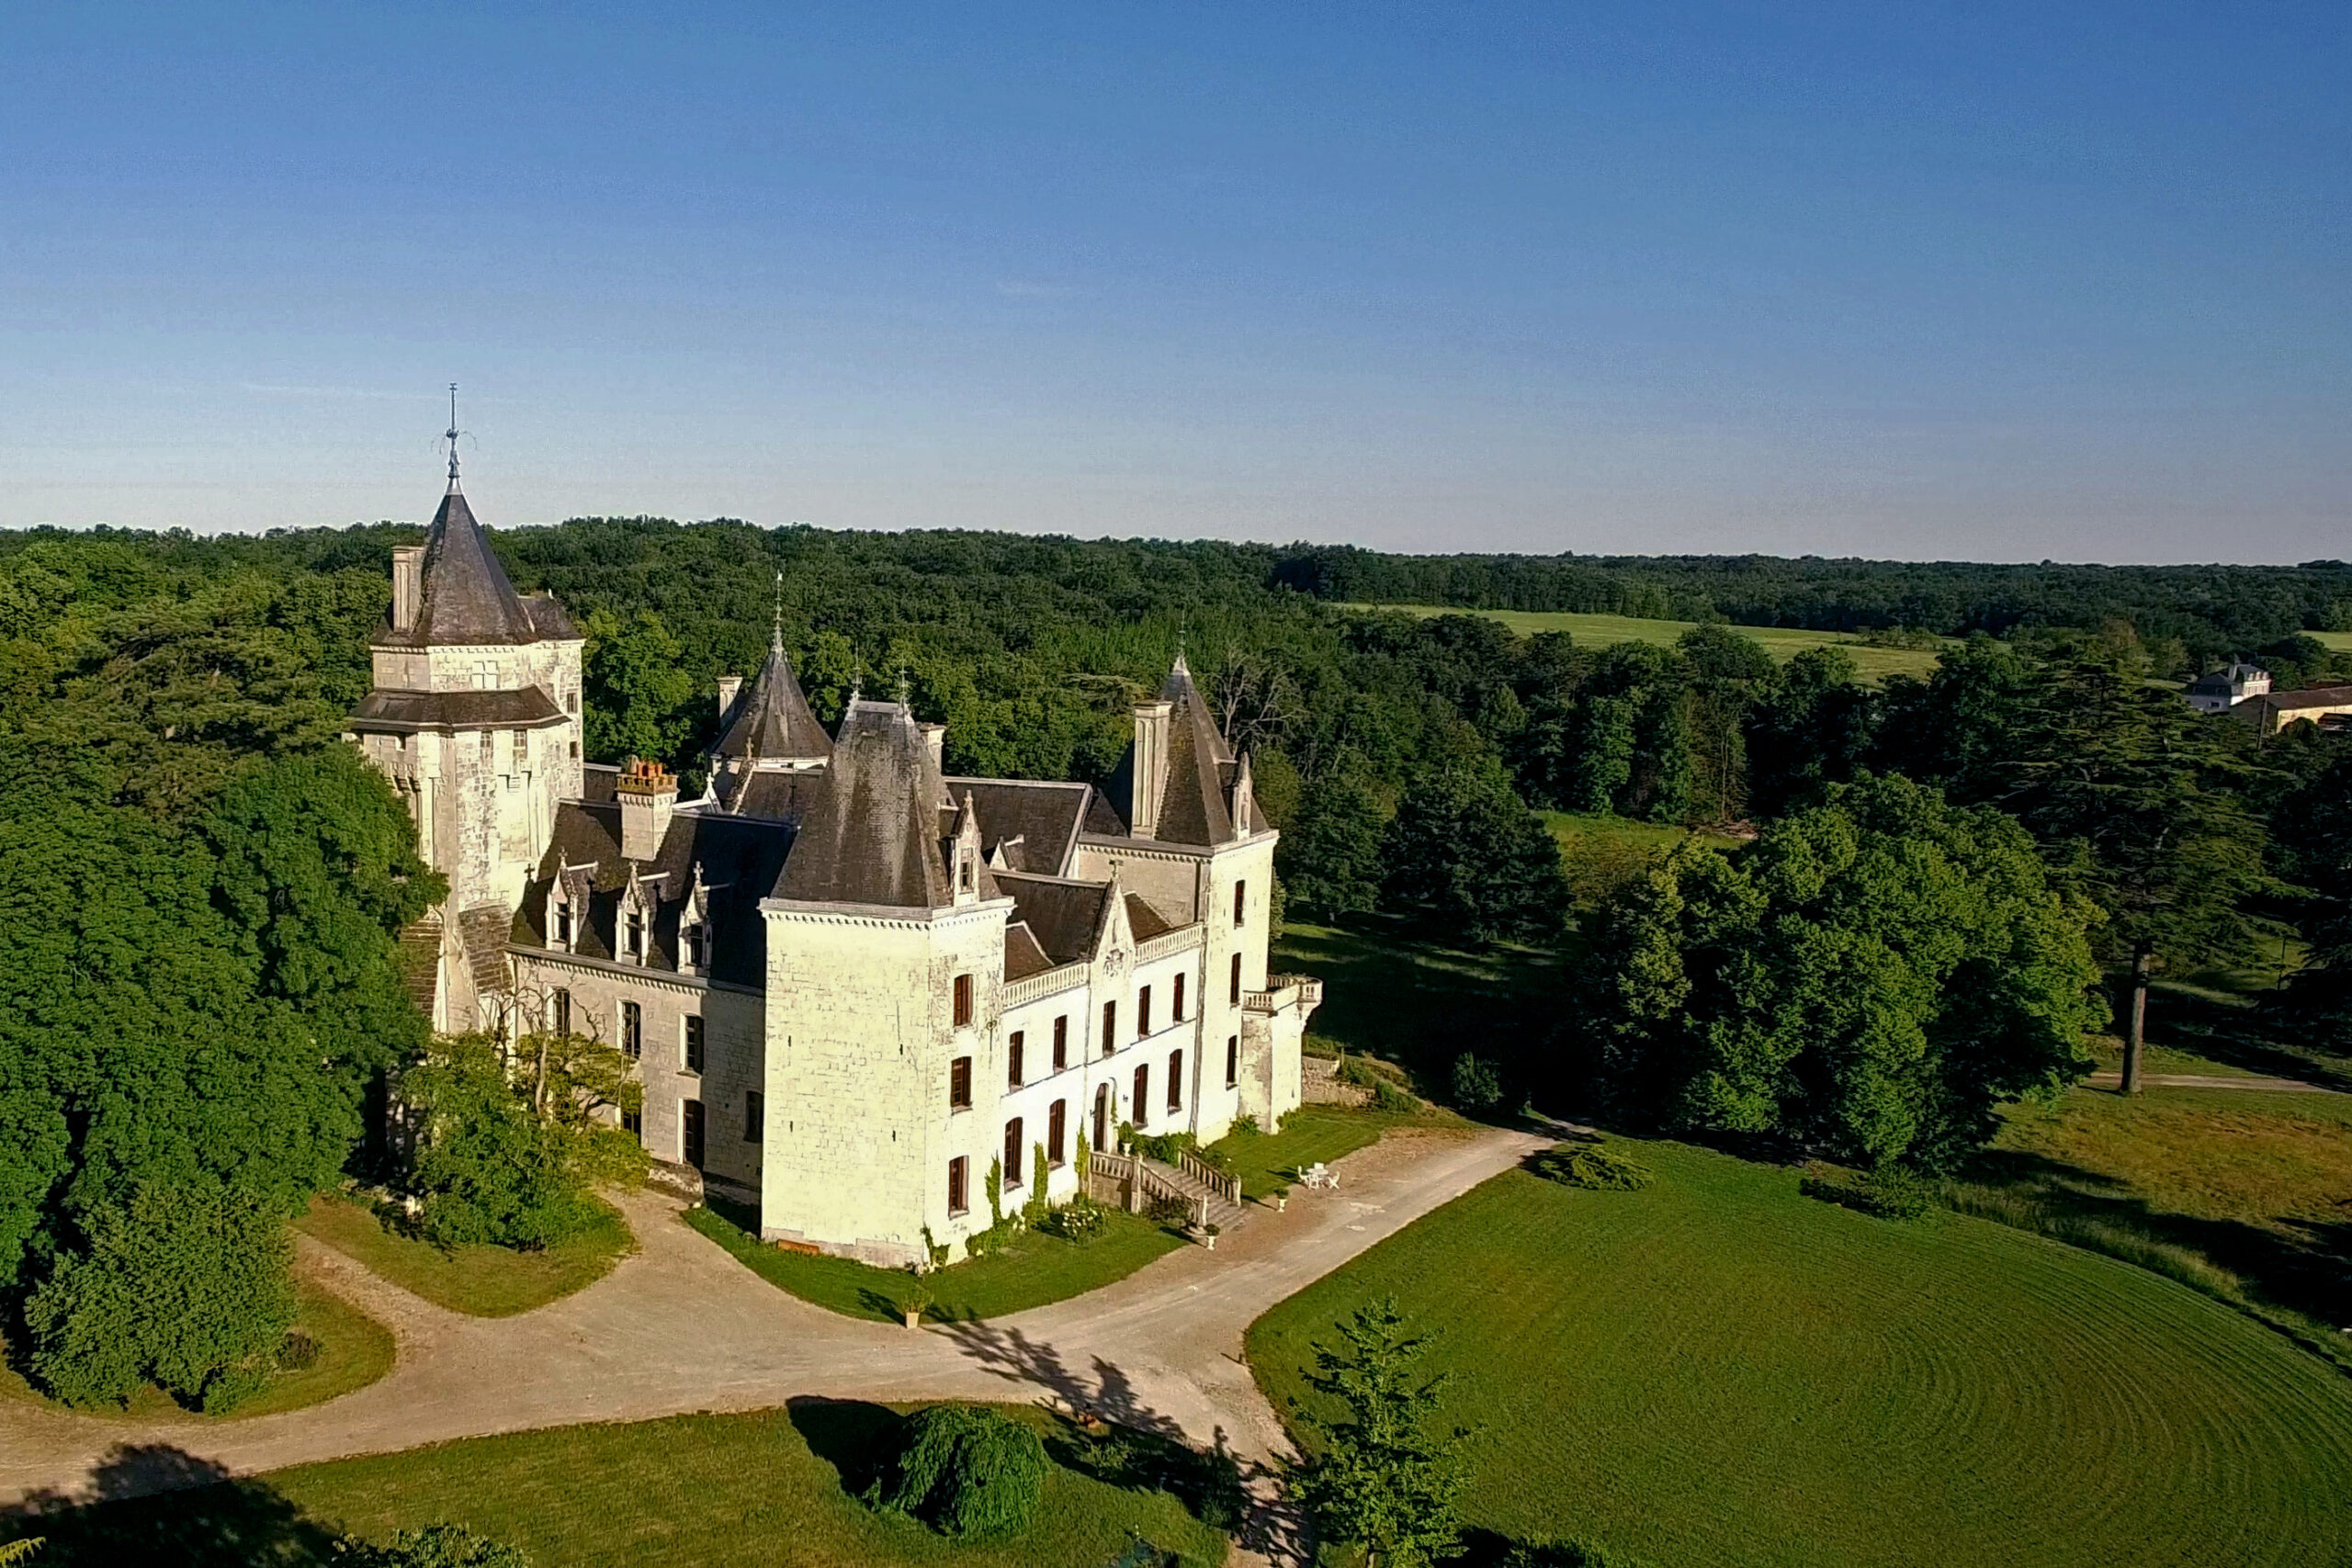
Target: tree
pixel 1330 857
pixel 1467 856
pixel 433 1546
pixel 1809 731
pixel 2132 798
pixel 1874 976
pixel 1379 1477
pixel 1956 728
pixel 637 688
pixel 970 1472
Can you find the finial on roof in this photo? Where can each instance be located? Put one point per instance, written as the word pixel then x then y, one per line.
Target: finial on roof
pixel 452 435
pixel 905 689
pixel 776 635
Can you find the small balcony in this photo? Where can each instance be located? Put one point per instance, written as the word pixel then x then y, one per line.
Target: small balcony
pixel 1284 991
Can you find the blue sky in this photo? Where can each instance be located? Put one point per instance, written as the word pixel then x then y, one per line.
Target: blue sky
pixel 1983 281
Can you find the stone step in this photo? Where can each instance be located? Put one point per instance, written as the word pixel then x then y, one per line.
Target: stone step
pixel 1222 1213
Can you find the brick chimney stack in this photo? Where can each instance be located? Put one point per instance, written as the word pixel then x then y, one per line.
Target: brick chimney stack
pixel 647 791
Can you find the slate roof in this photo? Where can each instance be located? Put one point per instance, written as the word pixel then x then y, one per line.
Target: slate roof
pixel 772 720
pixel 466 598
pixel 740 861
pixel 875 822
pixel 525 709
pixel 1194 801
pixel 1061 913
pixel 1023 955
pixel 1044 817
pixel 778 794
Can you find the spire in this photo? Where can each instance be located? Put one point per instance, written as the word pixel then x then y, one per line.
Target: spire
pixel 772 723
pixel 452 438
pixel 776 628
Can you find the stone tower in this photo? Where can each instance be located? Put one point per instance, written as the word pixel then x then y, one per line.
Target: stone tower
pixel 475 718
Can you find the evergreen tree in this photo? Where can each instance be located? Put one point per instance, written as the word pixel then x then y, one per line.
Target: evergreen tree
pixel 1379 1477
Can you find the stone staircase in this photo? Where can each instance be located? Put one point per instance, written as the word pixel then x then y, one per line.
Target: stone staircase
pixel 1200 1184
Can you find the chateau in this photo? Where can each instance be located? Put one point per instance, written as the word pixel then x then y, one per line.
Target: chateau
pixel 858 989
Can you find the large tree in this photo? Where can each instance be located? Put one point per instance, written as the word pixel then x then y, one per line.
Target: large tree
pixel 1381 1476
pixel 1465 855
pixel 1873 975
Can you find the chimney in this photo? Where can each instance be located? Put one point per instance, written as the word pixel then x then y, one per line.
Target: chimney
pixel 935 737
pixel 1150 781
pixel 728 687
pixel 647 791
pixel 408 585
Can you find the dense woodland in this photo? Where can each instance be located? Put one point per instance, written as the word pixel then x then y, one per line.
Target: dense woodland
pixel 200 986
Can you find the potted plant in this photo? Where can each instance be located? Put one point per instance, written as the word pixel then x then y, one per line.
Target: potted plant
pixel 1281 1197
pixel 914 1300
pixel 1208 1234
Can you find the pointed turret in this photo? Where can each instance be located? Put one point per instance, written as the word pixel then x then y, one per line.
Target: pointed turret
pixel 771 722
pixel 461 597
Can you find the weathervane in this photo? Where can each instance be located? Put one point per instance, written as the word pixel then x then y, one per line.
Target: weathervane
pixel 452 436
pixel 775 635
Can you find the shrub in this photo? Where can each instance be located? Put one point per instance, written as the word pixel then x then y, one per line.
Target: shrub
pixel 1386 1095
pixel 969 1472
pixel 487 1168
pixel 1167 1212
pixel 433 1546
pixel 1891 1192
pixel 1594 1166
pixel 1080 1220
pixel 1564 1555
pixel 297 1351
pixel 1245 1124
pixel 1477 1086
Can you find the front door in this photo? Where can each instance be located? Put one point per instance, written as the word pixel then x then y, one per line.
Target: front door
pixel 693 1114
pixel 1103 1116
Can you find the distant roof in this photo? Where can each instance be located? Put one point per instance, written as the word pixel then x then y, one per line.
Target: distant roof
pixel 876 823
pixel 2229 676
pixel 2291 701
pixel 466 599
pixel 772 721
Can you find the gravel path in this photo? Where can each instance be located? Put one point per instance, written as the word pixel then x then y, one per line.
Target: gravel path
pixel 681 1326
pixel 2212 1080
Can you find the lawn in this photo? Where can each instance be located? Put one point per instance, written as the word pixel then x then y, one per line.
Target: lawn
pixel 771 1489
pixel 1029 1270
pixel 1311 1134
pixel 354 1351
pixel 1719 1371
pixel 481 1281
pixel 1389 994
pixel 1783 643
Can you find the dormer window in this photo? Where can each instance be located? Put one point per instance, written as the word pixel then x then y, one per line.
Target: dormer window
pixel 963 883
pixel 563 924
pixel 691 946
pixel 636 948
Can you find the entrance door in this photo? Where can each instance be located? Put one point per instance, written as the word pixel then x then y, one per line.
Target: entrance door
pixel 693 1113
pixel 1103 1116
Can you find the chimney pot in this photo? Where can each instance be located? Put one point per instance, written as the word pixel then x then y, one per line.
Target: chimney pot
pixel 645 791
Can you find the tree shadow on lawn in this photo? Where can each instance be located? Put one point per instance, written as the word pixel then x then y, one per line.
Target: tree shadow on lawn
pixel 2244 1035
pixel 155 1504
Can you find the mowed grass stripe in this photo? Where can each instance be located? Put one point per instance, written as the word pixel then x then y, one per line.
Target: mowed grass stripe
pixel 1720 1372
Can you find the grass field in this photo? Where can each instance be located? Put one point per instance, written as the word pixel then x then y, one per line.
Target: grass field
pixel 1312 1135
pixel 1783 643
pixel 354 1351
pixel 1718 1371
pixel 771 1489
pixel 1029 1270
pixel 482 1282
pixel 1414 1003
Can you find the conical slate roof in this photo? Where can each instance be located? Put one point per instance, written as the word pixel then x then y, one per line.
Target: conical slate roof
pixel 1191 806
pixel 772 721
pixel 466 598
pixel 872 835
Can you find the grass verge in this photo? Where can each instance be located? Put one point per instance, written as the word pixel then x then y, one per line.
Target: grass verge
pixel 480 1281
pixel 1716 1371
pixel 354 1351
pixel 691 1492
pixel 1029 1270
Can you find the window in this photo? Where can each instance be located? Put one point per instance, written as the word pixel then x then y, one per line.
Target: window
pixel 960 1084
pixel 690 1112
pixel 1235 999
pixel 485 747
pixel 1013 1060
pixel 636 948
pixel 1143 1012
pixel 1141 1105
pixel 575 751
pixel 964 873
pixel 752 1116
pixel 1062 1043
pixel 561 1009
pixel 633 1124
pixel 1057 1132
pixel 1110 1027
pixel 571 704
pixel 1232 1060
pixel 563 925
pixel 1101 1116
pixel 1175 1080
pixel 1013 1153
pixel 693 1043
pixel 691 940
pixel 963 1002
pixel 959 1190
pixel 1240 902
pixel 522 746
pixel 632 1031
pixel 1176 1001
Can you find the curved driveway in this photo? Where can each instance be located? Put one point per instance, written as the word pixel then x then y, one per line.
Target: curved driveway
pixel 679 1327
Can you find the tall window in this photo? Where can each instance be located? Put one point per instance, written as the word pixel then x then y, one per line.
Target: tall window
pixel 1013 1153
pixel 561 1009
pixel 633 1124
pixel 963 1002
pixel 1101 1116
pixel 1058 1131
pixel 522 747
pixel 753 1118
pixel 690 1131
pixel 693 1043
pixel 1240 902
pixel 1235 999
pixel 1110 1027
pixel 1013 1060
pixel 1143 1012
pixel 563 925
pixel 636 948
pixel 690 942
pixel 1232 1060
pixel 960 1084
pixel 1141 1105
pixel 1062 1043
pixel 1176 1001
pixel 959 1189
pixel 1175 1080
pixel 632 1031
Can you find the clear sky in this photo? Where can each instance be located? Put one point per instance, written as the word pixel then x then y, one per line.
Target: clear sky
pixel 1985 281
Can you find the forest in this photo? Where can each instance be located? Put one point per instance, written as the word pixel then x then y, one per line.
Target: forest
pixel 1932 888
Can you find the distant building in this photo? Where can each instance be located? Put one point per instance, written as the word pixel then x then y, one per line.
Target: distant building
pixel 2224 689
pixel 2273 711
pixel 854 986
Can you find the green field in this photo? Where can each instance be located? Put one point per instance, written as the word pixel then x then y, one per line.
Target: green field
pixel 1029 1270
pixel 1719 1371
pixel 1388 994
pixel 482 1282
pixel 771 1489
pixel 1783 643
pixel 2340 641
pixel 1312 1135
